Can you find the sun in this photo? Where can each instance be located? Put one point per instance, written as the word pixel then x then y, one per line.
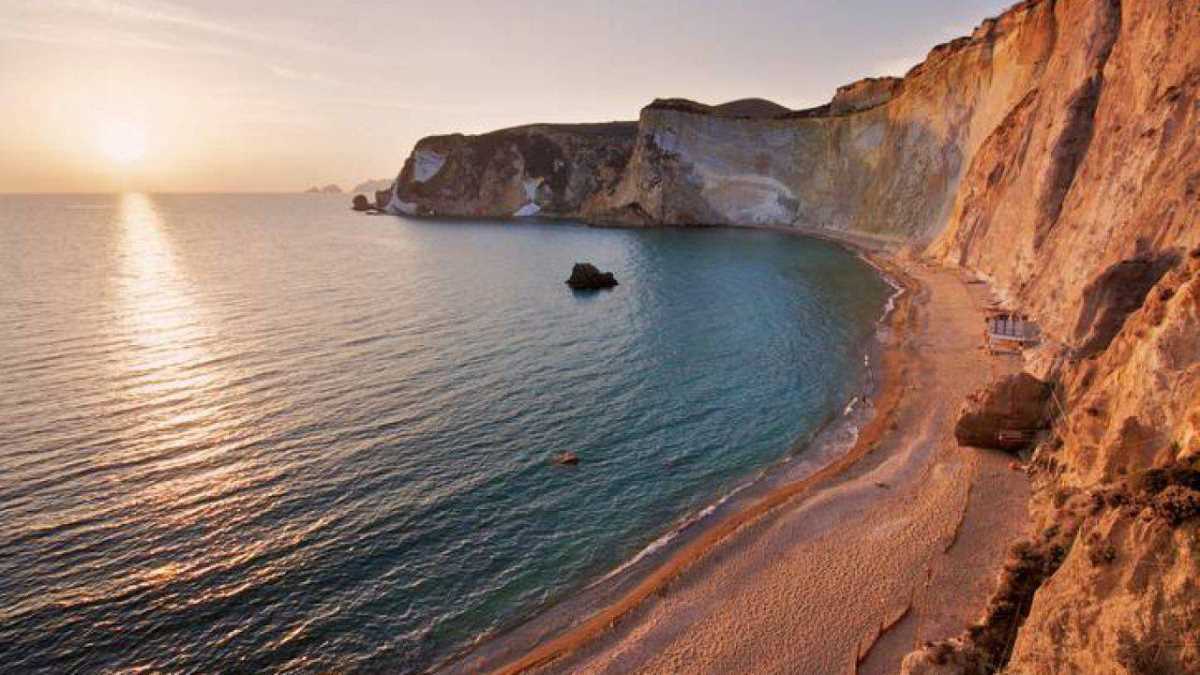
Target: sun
pixel 122 142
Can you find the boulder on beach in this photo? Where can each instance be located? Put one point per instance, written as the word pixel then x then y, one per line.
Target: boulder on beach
pixel 585 277
pixel 1006 415
pixel 361 203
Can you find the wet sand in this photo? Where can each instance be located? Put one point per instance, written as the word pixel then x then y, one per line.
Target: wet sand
pixel 897 542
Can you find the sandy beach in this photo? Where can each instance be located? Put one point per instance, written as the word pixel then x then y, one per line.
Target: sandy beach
pixel 897 542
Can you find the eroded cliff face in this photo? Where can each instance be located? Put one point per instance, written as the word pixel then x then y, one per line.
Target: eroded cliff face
pixel 1054 152
pixel 1083 207
pixel 1125 464
pixel 1096 166
pixel 542 169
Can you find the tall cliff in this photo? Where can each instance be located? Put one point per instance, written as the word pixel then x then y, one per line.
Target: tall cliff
pixel 1054 152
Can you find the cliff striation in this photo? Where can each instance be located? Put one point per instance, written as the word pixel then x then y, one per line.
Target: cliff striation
pixel 1053 152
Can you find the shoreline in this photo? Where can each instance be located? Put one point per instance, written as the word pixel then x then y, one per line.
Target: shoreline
pixel 964 508
pixel 807 458
pixel 896 542
pixel 896 321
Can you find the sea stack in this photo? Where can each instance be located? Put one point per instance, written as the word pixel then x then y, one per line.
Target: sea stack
pixel 586 277
pixel 361 203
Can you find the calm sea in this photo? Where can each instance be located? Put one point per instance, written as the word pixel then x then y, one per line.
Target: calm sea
pixel 266 433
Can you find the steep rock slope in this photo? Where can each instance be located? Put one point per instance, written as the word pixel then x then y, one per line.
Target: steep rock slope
pixel 1083 208
pixel 1126 595
pixel 1097 166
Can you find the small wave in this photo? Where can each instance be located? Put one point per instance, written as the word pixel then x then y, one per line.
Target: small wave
pixel 890 305
pixel 659 543
pixel 358 342
pixel 897 288
pixel 846 435
pixel 849 409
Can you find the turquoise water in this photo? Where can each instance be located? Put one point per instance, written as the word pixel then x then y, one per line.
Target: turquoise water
pixel 265 433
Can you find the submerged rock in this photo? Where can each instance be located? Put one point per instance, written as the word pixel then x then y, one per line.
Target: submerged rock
pixel 585 277
pixel 361 203
pixel 1006 415
pixel 566 459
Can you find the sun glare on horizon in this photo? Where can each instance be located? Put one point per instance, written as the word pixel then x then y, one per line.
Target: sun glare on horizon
pixel 122 142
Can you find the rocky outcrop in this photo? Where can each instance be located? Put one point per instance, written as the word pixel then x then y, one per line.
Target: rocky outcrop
pixel 864 95
pixel 543 169
pixel 585 277
pixel 383 198
pixel 373 186
pixel 1112 296
pixel 1007 415
pixel 1055 153
pixel 360 203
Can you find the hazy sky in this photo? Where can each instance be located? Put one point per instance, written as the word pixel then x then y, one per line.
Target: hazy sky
pixel 248 95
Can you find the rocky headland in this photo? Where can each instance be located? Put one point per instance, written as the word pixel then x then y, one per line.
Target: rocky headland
pixel 553 170
pixel 1053 154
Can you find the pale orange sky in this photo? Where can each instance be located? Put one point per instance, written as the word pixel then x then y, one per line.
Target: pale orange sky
pixel 230 95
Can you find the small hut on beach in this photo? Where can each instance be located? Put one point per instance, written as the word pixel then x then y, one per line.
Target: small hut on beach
pixel 1009 332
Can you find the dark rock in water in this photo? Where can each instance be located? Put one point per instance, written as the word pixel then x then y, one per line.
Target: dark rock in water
pixel 361 203
pixel 1007 415
pixel 585 277
pixel 566 459
pixel 382 198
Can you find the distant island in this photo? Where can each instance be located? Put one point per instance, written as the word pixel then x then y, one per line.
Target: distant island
pixel 330 189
